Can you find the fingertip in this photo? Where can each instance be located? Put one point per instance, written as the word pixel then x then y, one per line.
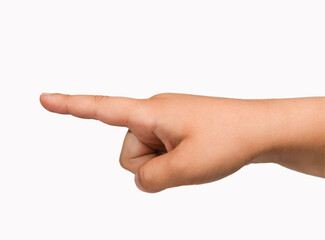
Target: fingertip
pixel 46 94
pixel 52 102
pixel 42 99
pixel 151 187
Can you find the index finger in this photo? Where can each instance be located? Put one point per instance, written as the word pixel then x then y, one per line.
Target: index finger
pixel 111 110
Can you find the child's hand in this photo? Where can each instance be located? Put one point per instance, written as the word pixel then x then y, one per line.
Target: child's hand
pixel 177 139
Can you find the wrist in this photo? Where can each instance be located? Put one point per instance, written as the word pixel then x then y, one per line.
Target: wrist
pixel 299 123
pixel 293 124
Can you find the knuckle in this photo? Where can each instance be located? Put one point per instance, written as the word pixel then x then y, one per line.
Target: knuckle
pixel 123 161
pixel 193 173
pixel 180 166
pixel 143 117
pixel 99 98
pixel 161 95
pixel 68 101
pixel 186 171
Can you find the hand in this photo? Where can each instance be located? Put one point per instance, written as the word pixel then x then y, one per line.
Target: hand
pixel 178 139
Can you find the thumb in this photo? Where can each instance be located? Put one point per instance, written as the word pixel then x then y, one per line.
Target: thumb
pixel 165 171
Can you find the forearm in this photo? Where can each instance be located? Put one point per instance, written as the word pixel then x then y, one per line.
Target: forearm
pixel 297 131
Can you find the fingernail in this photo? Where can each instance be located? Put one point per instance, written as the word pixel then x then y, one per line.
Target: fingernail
pixel 46 94
pixel 136 180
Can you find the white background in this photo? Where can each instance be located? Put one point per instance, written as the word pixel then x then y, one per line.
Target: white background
pixel 60 177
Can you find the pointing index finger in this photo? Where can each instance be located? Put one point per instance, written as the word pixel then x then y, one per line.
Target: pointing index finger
pixel 111 110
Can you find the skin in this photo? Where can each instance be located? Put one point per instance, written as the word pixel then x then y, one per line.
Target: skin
pixel 179 139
